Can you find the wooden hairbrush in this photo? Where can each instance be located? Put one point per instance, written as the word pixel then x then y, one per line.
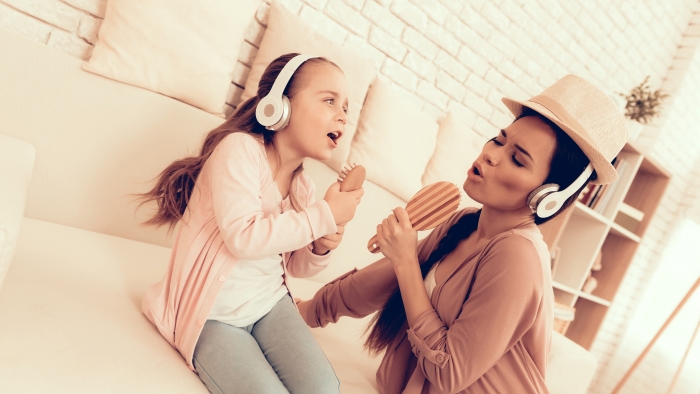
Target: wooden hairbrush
pixel 428 208
pixel 352 177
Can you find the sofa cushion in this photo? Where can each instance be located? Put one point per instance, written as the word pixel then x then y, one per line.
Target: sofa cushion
pixel 182 49
pixel 287 33
pixel 458 146
pixel 394 140
pixel 16 164
pixel 97 140
pixel 71 321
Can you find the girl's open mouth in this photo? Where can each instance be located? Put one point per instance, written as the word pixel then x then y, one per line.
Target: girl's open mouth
pixel 334 137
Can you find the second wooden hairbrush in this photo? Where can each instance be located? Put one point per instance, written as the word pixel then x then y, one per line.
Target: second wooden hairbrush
pixel 428 208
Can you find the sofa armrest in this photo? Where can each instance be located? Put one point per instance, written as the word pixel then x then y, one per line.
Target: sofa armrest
pixel 16 164
pixel 570 367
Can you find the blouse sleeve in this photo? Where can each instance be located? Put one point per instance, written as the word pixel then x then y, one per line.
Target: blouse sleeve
pixel 501 308
pixel 236 181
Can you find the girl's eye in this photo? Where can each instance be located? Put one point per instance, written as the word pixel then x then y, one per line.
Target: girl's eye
pixel 330 101
pixel 345 110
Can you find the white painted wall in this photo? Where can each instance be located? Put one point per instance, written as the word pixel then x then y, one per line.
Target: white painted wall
pixel 464 55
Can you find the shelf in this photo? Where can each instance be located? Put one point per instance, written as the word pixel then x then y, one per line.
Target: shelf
pixel 591 213
pixel 596 299
pixel 623 232
pixel 632 212
pixel 564 287
pixel 588 296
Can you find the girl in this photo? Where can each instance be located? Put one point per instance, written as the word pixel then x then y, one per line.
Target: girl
pixel 247 219
pixel 469 309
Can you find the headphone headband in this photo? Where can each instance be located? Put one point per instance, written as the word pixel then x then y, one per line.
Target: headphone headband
pixel 286 74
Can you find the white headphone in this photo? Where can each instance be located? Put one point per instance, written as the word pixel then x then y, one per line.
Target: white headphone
pixel 547 200
pixel 274 110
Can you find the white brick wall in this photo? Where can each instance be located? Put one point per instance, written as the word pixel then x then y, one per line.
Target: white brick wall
pixel 464 55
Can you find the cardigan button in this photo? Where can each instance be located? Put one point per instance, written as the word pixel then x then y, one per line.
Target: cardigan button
pixel 222 278
pixel 440 358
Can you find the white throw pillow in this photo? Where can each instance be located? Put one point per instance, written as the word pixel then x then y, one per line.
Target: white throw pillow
pixel 394 140
pixel 16 165
pixel 180 48
pixel 288 33
pixel 457 148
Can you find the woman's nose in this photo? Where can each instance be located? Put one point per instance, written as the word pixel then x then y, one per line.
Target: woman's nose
pixel 491 157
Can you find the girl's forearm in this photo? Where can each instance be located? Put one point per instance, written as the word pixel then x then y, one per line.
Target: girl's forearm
pixel 415 297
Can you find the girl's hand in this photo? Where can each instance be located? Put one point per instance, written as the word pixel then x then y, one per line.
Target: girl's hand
pixel 342 204
pixel 329 242
pixel 397 239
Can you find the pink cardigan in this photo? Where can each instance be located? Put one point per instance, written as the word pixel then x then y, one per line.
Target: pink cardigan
pixel 234 213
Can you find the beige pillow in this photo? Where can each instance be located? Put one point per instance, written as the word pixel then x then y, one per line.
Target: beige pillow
pixel 180 48
pixel 457 148
pixel 394 140
pixel 287 33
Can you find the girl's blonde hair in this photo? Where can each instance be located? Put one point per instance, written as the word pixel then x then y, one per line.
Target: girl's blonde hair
pixel 175 183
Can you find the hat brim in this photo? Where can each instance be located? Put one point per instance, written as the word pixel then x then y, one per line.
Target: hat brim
pixel 605 172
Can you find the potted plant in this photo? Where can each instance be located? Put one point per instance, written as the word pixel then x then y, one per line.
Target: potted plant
pixel 643 105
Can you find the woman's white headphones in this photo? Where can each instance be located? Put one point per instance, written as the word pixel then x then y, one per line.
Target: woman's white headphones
pixel 547 200
pixel 274 110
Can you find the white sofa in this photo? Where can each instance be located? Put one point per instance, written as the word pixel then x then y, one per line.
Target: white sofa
pixel 70 319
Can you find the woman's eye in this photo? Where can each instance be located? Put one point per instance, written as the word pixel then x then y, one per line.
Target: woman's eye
pixel 495 141
pixel 517 163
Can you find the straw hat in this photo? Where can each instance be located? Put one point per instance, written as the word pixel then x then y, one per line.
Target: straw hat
pixel 588 115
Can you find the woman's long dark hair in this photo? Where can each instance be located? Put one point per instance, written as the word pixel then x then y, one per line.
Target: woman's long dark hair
pixel 174 185
pixel 568 162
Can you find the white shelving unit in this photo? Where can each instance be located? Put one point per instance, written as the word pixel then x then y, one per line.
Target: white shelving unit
pixel 581 233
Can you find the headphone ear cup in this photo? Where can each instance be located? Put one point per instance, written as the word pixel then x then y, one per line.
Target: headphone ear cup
pixel 286 109
pixel 537 196
pixel 269 111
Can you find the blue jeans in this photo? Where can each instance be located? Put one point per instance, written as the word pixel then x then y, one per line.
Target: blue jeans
pixel 276 354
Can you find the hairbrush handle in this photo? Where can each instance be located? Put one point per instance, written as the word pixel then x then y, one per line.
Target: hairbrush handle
pixel 373 244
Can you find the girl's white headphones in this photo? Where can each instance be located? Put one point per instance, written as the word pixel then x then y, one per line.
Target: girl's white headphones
pixel 274 110
pixel 547 200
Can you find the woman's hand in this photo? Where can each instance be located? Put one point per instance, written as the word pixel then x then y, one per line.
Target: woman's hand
pixel 343 204
pixel 328 242
pixel 397 239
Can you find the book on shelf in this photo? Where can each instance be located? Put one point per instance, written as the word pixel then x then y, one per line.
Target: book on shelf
pixel 621 166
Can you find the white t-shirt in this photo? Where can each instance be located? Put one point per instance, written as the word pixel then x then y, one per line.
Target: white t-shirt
pixel 429 280
pixel 250 291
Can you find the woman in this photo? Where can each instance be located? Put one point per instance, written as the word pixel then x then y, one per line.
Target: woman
pixel 469 308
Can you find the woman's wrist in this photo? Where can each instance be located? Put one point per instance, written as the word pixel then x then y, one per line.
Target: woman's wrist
pixel 406 265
